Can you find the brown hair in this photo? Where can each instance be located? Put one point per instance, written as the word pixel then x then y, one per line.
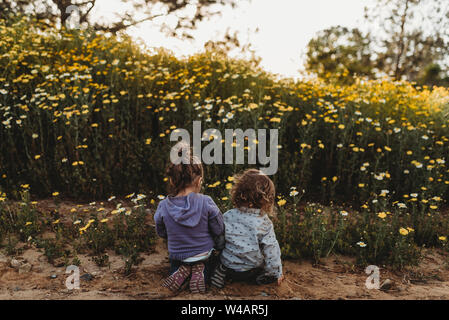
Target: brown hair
pixel 182 175
pixel 253 189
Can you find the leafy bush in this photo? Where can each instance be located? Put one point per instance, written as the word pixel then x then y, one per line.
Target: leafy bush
pixel 382 232
pixel 96 230
pixel 90 116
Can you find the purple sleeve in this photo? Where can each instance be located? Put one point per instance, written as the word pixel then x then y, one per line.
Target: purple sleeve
pixel 159 221
pixel 216 224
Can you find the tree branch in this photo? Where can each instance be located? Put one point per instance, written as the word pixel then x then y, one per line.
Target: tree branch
pixel 118 26
pixel 401 40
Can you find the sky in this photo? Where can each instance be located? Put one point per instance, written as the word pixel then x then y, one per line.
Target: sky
pixel 285 28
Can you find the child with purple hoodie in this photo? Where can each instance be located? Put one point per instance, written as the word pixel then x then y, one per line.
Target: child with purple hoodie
pixel 193 226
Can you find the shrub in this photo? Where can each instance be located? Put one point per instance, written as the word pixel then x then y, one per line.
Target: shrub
pixel 89 116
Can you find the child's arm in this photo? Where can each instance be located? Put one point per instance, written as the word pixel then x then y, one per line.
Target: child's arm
pixel 271 251
pixel 160 225
pixel 216 224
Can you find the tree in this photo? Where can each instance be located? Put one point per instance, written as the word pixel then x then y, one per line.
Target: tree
pixel 407 39
pixel 57 12
pixel 413 35
pixel 432 76
pixel 338 52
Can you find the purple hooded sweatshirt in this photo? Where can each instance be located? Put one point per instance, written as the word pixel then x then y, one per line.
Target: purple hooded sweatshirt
pixel 189 223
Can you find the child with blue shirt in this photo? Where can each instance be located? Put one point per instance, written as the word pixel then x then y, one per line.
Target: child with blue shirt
pixel 251 251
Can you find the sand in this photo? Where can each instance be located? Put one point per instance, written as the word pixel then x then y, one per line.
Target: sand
pixel 335 278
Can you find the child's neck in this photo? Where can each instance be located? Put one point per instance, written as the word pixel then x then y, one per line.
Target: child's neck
pixel 187 191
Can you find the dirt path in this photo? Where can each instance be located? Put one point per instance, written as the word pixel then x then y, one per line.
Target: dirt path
pixel 336 278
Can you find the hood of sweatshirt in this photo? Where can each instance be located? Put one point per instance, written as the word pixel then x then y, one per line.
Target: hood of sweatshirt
pixel 186 210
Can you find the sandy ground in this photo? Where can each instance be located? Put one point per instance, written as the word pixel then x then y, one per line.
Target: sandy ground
pixel 335 278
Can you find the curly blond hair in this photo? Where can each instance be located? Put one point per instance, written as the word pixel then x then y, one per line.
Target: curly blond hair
pixel 253 189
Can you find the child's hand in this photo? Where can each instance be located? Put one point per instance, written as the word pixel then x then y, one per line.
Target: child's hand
pixel 280 280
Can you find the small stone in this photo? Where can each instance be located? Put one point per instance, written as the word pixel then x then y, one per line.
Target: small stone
pixel 25 268
pixel 15 263
pixel 53 276
pixel 86 277
pixel 263 294
pixel 386 285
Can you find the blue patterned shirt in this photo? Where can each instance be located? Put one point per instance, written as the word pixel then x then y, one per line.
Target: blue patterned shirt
pixel 250 242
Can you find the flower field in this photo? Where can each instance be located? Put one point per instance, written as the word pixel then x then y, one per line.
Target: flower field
pixel 362 168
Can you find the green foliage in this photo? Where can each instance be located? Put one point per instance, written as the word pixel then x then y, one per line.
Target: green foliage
pixel 127 232
pixel 340 54
pixel 53 248
pixel 57 13
pixel 24 223
pixel 316 232
pixel 94 115
pixel 102 260
pixel 310 234
pixel 409 40
pixel 433 75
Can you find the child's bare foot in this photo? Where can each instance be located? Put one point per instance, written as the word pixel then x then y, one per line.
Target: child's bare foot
pixel 280 280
